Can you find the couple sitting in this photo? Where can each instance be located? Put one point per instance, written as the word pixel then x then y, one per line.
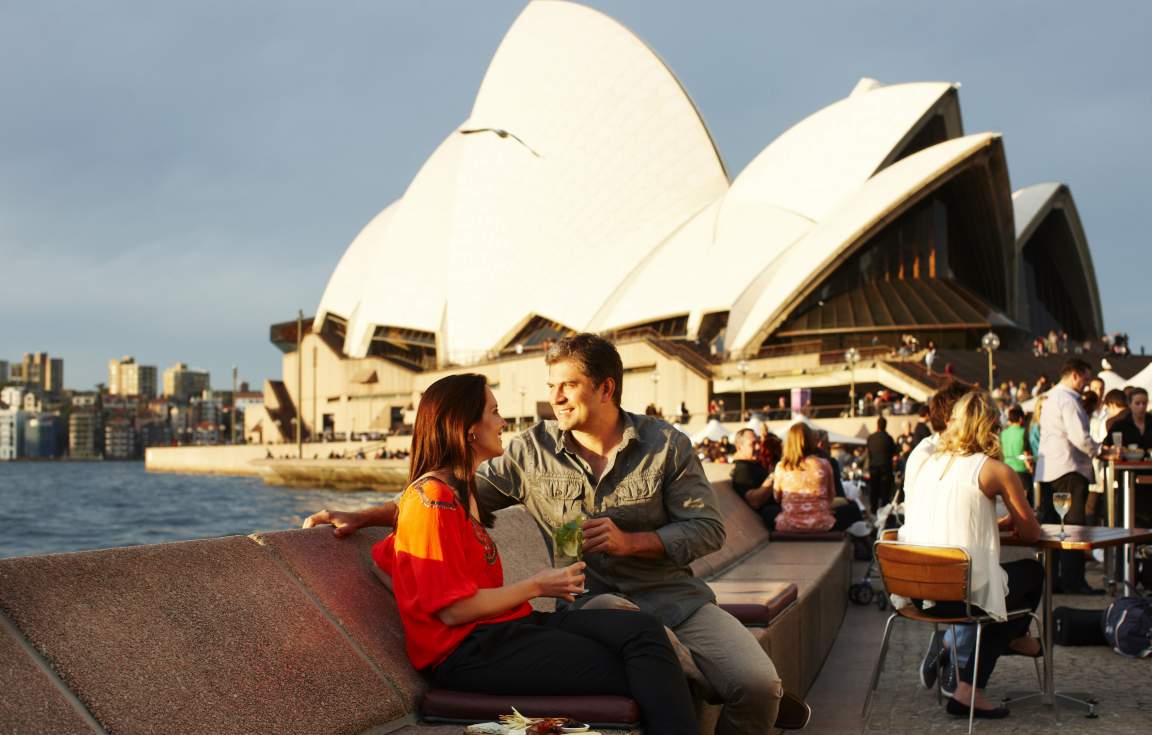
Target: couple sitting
pixel 800 491
pixel 643 621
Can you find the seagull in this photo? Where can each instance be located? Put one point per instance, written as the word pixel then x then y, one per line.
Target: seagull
pixel 503 134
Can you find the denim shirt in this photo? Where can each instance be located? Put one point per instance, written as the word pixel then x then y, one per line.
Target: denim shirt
pixel 653 482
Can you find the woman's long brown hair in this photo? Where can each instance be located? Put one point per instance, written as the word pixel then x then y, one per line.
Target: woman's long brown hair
pixel 798 444
pixel 448 408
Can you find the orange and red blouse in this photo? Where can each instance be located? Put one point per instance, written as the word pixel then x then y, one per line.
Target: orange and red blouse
pixel 438 555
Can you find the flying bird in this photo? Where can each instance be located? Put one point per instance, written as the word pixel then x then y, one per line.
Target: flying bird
pixel 503 134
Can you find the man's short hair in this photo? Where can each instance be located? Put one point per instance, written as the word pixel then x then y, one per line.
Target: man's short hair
pixel 595 356
pixel 923 411
pixel 1074 366
pixel 881 424
pixel 1016 415
pixel 740 434
pixel 1138 391
pixel 941 403
pixel 1116 397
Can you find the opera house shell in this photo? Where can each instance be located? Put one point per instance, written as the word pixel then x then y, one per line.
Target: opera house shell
pixel 585 193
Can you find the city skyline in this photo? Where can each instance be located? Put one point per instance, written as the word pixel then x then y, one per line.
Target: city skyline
pixel 211 194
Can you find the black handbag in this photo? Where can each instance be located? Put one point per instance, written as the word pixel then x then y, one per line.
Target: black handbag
pixel 1073 627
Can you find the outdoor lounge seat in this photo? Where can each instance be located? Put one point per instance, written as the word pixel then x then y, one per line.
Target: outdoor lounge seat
pixel 606 711
pixel 754 603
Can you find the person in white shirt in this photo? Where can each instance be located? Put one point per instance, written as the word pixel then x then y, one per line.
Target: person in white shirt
pixel 952 502
pixel 1068 448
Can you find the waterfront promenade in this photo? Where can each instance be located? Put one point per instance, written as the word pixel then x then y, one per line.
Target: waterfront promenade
pixel 901 705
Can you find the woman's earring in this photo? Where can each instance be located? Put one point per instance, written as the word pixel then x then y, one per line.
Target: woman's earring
pixel 471 437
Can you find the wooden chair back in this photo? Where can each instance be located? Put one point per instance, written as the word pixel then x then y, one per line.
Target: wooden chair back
pixel 939 573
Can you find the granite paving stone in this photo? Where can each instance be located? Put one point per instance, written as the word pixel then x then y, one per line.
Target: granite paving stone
pixel 198 637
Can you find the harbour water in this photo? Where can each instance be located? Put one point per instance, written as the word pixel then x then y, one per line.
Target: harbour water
pixel 53 507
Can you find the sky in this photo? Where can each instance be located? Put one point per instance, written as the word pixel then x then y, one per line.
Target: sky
pixel 176 177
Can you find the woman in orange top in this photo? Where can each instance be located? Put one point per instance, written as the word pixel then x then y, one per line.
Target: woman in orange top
pixel 467 630
pixel 803 484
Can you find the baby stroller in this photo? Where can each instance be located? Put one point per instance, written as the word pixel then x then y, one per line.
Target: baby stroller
pixel 887 517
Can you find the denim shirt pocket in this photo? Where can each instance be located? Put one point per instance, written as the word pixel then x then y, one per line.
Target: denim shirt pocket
pixel 639 504
pixel 559 498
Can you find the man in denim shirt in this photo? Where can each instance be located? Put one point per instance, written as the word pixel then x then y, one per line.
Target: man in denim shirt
pixel 650 512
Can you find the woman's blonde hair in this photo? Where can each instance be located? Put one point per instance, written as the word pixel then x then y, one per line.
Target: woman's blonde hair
pixel 799 442
pixel 974 427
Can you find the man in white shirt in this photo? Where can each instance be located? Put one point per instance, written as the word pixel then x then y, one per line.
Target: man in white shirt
pixel 1068 448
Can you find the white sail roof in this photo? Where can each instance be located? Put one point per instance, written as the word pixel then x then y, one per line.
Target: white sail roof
pixel 763 304
pixel 825 157
pixel 1031 206
pixel 776 200
pixel 344 290
pixel 582 152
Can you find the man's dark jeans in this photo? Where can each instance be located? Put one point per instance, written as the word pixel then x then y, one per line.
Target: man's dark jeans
pixel 1069 571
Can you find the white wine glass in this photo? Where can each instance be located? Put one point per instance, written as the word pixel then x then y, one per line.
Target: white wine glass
pixel 1062 502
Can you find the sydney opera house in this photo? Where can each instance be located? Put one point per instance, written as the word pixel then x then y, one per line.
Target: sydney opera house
pixel 585 193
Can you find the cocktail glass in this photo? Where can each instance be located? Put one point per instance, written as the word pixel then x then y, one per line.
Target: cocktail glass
pixel 566 542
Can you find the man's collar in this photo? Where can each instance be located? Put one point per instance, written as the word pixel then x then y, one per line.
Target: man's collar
pixel 630 434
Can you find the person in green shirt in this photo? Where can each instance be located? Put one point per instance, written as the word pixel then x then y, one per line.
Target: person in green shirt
pixel 1015 447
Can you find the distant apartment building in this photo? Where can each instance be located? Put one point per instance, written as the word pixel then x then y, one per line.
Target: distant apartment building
pixel 128 378
pixel 120 441
pixel 38 370
pixel 154 434
pixel 13 396
pixel 43 437
pixel 85 435
pixel 3 372
pixel 182 382
pixel 13 425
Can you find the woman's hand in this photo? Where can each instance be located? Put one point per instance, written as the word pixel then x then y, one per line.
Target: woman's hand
pixel 563 584
pixel 344 523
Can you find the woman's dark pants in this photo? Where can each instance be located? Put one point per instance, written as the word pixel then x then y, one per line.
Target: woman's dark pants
pixel 1025 588
pixel 577 652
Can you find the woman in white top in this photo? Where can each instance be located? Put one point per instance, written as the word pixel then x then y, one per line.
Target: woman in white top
pixel 952 502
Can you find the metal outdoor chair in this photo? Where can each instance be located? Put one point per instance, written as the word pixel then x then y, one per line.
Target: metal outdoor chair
pixel 940 573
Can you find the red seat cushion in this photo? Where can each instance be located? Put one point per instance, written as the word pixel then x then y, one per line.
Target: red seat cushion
pixel 753 602
pixel 804 536
pixel 605 710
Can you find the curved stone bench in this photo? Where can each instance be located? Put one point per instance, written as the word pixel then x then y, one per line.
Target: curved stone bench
pixel 293 632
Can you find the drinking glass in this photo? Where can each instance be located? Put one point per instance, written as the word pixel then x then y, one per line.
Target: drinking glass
pixel 1062 502
pixel 566 542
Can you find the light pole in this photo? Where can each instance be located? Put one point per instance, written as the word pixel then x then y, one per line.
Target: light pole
pixel 852 356
pixel 520 420
pixel 299 384
pixel 743 385
pixel 990 342
pixel 234 374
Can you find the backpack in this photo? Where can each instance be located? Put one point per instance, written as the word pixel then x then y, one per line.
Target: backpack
pixel 1128 626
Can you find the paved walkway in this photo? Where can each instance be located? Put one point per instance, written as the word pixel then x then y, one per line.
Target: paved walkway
pixel 1122 686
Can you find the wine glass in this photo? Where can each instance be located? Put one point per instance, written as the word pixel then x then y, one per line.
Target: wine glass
pixel 1062 502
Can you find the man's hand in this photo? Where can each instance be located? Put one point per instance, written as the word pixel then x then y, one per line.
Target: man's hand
pixel 601 536
pixel 344 523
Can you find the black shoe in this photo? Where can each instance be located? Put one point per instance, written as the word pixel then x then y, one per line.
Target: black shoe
pixel 948 678
pixel 931 659
pixel 956 709
pixel 794 713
